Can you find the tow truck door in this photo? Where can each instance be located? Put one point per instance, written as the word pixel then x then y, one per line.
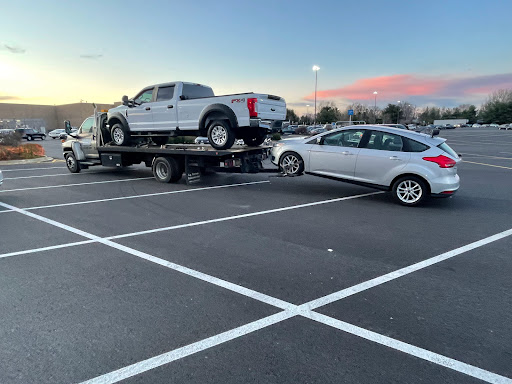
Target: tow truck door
pixel 87 137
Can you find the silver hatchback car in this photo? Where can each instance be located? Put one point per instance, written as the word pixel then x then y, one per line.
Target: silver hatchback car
pixel 409 164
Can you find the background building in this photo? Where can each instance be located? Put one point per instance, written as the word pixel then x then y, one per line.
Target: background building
pixel 46 117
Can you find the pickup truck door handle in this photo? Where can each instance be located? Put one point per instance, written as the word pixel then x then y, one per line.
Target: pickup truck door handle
pixel 170 106
pixel 346 153
pixel 148 108
pixel 394 158
pixel 272 109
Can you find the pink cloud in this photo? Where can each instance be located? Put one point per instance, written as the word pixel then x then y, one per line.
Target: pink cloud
pixel 395 87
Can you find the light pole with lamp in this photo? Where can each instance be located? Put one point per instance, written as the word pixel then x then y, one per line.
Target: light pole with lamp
pixel 398 117
pixel 375 108
pixel 307 112
pixel 315 68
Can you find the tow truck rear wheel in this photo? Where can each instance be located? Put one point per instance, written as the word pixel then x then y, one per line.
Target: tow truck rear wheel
pixel 120 135
pixel 167 169
pixel 71 163
pixel 220 134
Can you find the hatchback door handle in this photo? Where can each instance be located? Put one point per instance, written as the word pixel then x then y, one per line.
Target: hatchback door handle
pixel 394 158
pixel 170 106
pixel 346 153
pixel 148 108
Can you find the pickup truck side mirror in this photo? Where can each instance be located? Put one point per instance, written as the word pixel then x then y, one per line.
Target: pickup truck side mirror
pixel 125 100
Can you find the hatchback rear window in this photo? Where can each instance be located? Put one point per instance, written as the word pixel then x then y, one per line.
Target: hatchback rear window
pixel 445 147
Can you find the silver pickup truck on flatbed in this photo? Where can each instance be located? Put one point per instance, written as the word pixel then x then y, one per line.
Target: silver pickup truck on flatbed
pixel 188 109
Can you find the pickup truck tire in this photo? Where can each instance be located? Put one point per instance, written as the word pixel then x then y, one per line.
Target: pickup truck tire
pixel 71 163
pixel 120 135
pixel 291 164
pixel 255 140
pixel 220 134
pixel 167 169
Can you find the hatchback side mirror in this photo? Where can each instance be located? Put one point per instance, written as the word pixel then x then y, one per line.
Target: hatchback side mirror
pixel 319 140
pixel 435 132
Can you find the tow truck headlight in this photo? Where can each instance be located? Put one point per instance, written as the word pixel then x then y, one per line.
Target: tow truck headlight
pixel 277 144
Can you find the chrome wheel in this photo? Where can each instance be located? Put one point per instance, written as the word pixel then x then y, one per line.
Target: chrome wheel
pixel 161 171
pixel 118 135
pixel 219 135
pixel 409 191
pixel 290 164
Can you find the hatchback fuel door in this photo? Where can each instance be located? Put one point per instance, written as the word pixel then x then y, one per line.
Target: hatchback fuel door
pixel 336 154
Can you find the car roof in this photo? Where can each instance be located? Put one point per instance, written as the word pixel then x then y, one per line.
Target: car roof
pixel 397 131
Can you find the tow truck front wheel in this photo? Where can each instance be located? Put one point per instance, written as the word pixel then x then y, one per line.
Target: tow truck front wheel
pixel 120 135
pixel 167 169
pixel 220 135
pixel 71 163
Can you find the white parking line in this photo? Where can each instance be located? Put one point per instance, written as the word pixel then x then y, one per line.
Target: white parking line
pixel 31 177
pixel 412 350
pixel 43 249
pixel 465 154
pixel 488 165
pixel 30 169
pixel 165 358
pixel 74 184
pixel 139 196
pixel 403 271
pixel 242 216
pixel 290 309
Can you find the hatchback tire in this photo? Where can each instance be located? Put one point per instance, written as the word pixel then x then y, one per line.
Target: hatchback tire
pixel 291 164
pixel 410 190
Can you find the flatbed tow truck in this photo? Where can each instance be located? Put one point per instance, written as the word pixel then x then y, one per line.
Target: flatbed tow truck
pixel 91 146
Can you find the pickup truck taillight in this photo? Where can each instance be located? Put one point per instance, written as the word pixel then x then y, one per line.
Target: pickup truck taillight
pixel 251 105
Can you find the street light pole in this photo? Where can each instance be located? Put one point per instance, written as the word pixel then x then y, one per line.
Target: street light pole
pixel 375 109
pixel 315 68
pixel 307 112
pixel 398 117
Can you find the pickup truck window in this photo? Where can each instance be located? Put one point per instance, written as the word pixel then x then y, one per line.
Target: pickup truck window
pixel 194 91
pixel 165 93
pixel 144 97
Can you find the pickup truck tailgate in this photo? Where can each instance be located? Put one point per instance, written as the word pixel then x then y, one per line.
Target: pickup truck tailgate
pixel 271 107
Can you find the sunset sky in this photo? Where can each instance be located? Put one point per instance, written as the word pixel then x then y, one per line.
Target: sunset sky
pixel 428 52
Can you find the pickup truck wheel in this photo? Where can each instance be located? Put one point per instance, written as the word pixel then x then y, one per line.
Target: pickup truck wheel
pixel 120 135
pixel 167 169
pixel 291 164
pixel 71 163
pixel 255 139
pixel 220 135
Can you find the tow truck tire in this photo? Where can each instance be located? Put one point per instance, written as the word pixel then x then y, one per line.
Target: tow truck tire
pixel 71 163
pixel 220 134
pixel 166 170
pixel 254 140
pixel 120 135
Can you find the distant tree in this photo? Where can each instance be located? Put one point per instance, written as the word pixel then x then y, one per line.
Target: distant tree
pixel 291 115
pixel 328 112
pixel 391 113
pixel 497 108
pixel 305 119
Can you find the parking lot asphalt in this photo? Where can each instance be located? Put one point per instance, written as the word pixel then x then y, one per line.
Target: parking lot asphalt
pixel 109 276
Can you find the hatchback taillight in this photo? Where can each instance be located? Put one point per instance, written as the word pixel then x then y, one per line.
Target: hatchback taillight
pixel 251 105
pixel 442 161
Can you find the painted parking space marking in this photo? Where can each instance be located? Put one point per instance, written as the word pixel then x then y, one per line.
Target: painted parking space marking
pixel 74 184
pixel 465 154
pixel 141 196
pixel 30 169
pixel 36 176
pixel 488 165
pixel 291 310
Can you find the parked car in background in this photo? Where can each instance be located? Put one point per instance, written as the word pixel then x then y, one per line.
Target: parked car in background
pixel 289 130
pixel 476 125
pixel 316 131
pixel 1 178
pixel 56 133
pixel 449 126
pixel 201 140
pixel 30 134
pixel 505 126
pixel 409 164
pixel 399 126
pixel 494 125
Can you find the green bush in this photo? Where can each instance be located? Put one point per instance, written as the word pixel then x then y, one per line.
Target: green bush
pixel 10 139
pixel 276 136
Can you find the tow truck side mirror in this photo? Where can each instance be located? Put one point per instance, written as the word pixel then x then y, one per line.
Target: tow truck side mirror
pixel 67 126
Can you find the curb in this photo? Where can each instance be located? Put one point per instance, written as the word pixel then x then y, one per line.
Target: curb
pixel 27 161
